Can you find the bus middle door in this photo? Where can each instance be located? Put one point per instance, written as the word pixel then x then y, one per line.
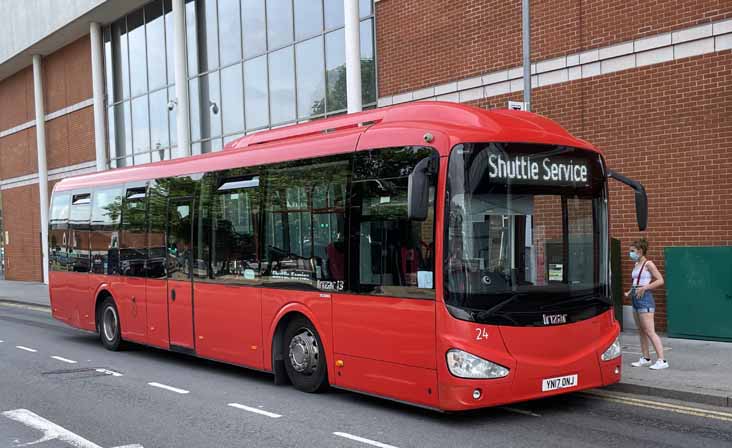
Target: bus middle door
pixel 179 259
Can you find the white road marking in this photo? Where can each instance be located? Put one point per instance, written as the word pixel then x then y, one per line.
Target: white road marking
pixel 109 372
pixel 69 361
pixel 363 440
pixel 520 411
pixel 20 347
pixel 51 431
pixel 255 410
pixel 1 341
pixel 170 388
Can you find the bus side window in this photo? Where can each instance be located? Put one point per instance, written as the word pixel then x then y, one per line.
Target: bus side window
pixel 234 226
pixel 393 255
pixel 157 204
pixel 133 231
pixel 105 218
pixel 58 231
pixel 304 224
pixel 78 241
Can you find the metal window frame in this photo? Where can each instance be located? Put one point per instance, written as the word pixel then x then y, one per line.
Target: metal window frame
pixel 168 149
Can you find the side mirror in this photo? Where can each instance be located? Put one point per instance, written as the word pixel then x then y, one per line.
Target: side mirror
pixel 418 190
pixel 641 198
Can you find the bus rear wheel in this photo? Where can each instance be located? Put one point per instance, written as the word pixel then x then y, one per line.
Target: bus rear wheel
pixel 304 356
pixel 108 324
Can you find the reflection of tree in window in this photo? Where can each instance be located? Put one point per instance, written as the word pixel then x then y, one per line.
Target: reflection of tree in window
pixel 304 218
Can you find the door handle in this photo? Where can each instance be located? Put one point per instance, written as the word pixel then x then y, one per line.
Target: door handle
pixel 172 295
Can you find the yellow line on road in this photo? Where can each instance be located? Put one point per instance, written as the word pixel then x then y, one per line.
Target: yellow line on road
pixel 697 412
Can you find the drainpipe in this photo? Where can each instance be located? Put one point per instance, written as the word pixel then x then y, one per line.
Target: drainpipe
pixel 526 31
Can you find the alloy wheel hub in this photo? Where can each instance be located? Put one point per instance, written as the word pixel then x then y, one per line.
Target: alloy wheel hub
pixel 304 353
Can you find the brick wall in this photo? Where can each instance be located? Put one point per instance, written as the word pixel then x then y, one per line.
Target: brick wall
pixel 16 99
pixel 22 222
pixel 428 42
pixel 67 75
pixel 667 125
pixel 69 141
pixel 18 154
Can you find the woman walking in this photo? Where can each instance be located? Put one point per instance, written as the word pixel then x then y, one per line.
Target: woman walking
pixel 645 278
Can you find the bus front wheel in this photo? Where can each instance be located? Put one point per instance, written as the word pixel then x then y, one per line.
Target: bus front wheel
pixel 109 327
pixel 304 356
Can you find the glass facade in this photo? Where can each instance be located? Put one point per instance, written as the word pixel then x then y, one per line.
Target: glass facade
pixel 252 65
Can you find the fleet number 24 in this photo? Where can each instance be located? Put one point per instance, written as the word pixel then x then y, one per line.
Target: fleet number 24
pixel 481 334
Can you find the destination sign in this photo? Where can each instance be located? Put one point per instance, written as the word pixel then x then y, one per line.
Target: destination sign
pixel 528 169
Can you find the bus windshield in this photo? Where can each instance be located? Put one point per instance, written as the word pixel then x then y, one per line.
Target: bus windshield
pixel 526 234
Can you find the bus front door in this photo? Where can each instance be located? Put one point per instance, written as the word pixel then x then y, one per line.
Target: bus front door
pixel 179 259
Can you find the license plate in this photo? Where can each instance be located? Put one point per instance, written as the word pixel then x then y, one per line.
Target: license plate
pixel 560 382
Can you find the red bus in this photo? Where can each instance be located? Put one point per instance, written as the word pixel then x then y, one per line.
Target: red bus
pixel 432 253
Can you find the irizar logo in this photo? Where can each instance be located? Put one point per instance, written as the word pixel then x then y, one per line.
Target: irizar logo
pixel 554 319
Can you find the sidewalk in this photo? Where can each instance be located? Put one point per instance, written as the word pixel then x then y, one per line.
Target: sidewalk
pixel 699 372
pixel 25 292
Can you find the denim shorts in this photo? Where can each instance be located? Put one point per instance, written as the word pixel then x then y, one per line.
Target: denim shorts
pixel 645 304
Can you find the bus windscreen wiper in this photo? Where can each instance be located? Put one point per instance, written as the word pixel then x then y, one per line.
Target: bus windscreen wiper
pixel 581 298
pixel 496 307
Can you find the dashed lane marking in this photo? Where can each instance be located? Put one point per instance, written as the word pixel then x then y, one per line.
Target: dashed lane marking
pixel 363 440
pixel 20 347
pixel 68 361
pixel 52 431
pixel 659 405
pixel 170 388
pixel 254 410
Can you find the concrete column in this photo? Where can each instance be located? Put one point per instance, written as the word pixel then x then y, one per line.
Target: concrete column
pixel 42 166
pixel 97 63
pixel 183 121
pixel 353 55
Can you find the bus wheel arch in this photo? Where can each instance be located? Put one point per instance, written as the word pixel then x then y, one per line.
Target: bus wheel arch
pixel 296 331
pixel 107 321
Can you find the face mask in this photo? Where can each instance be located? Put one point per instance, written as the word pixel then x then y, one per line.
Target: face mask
pixel 634 256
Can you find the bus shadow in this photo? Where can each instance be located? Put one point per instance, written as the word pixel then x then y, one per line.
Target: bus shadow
pixel 525 410
pixel 172 359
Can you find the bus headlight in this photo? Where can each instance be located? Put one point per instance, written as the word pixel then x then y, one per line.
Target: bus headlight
pixel 464 365
pixel 613 351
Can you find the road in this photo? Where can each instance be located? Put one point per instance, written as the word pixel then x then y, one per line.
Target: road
pixel 61 381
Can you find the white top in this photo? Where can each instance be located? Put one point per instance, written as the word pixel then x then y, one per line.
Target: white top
pixel 645 276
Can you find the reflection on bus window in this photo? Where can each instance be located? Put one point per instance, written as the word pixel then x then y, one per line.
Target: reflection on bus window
pixel 304 224
pixel 106 212
pixel 395 254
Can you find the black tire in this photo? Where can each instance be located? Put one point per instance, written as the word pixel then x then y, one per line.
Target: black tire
pixel 304 356
pixel 108 325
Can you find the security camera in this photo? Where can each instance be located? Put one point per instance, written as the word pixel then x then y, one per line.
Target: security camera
pixel 214 107
pixel 172 104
